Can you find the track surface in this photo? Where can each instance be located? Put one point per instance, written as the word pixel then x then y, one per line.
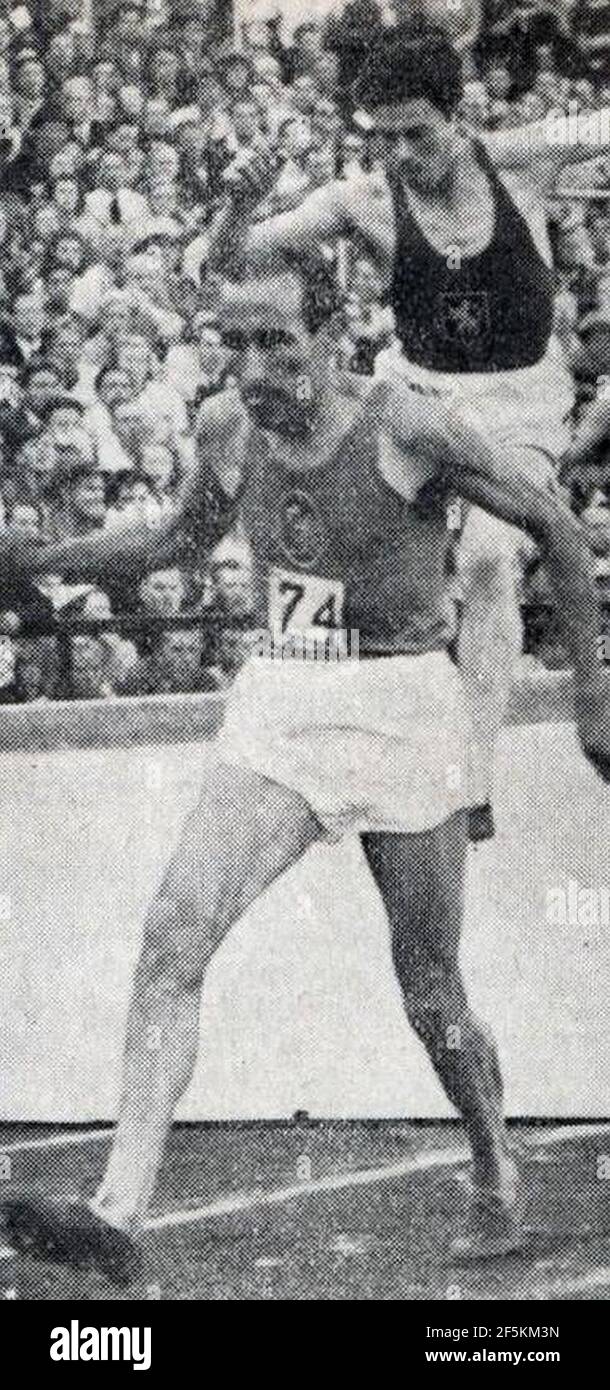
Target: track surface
pixel 331 1211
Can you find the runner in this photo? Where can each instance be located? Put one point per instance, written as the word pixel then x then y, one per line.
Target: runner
pixel 458 228
pixel 344 505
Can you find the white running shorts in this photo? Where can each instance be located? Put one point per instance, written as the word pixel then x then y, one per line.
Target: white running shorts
pixel 374 744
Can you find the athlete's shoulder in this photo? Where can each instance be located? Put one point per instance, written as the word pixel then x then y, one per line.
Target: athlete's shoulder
pixel 365 183
pixel 221 413
pixel 524 153
pixel 373 396
pixel 403 412
pixel 346 196
pixel 392 406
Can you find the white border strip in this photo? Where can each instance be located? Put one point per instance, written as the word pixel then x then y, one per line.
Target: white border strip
pixel 365 1177
pixel 58 1141
pixel 244 1201
pixel 538 1136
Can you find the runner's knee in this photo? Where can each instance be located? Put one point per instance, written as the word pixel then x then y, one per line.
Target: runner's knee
pixel 179 941
pixel 433 992
pixel 488 557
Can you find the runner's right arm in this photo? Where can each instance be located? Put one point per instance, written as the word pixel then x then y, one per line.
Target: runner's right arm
pixel 203 514
pixel 105 555
pixel 236 233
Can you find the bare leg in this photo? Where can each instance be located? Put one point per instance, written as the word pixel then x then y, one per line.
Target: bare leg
pixel 245 831
pixel 490 638
pixel 421 881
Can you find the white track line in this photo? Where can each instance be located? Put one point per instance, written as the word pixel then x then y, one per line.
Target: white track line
pixel 539 1138
pixel 58 1141
pixel 244 1201
pixel 365 1177
pixel 258 1197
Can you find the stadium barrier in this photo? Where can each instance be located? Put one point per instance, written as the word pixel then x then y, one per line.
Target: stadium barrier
pixel 301 1007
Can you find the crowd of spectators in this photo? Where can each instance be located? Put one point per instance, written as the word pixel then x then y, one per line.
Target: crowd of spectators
pixel 121 132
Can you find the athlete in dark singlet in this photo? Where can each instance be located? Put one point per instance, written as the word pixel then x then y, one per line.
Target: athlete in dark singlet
pixel 344 505
pixel 491 311
pixel 458 229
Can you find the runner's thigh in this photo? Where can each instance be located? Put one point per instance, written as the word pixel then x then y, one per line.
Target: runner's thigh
pixel 421 881
pixel 245 831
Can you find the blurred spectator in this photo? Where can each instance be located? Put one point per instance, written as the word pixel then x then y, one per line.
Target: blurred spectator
pixel 134 502
pixel 121 132
pixel 594 332
pixel 157 465
pixel 231 566
pixel 591 23
pixel 174 666
pixel 162 594
pixel 22 338
pixel 79 504
pixel 90 676
pixel 113 388
pixel 36 671
pixel 8 657
pixel 112 202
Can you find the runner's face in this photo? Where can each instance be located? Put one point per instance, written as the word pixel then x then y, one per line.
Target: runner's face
pixel 277 362
pixel 417 143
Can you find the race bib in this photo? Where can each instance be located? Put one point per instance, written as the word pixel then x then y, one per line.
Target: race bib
pixel 304 602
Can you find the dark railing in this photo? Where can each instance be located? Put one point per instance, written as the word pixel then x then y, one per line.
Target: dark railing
pixel 538 618
pixel 141 627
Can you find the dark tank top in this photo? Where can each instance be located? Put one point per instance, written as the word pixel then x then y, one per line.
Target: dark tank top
pixel 494 313
pixel 337 547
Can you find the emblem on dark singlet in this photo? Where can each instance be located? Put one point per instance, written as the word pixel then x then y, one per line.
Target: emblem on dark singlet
pixel 302 534
pixel 463 317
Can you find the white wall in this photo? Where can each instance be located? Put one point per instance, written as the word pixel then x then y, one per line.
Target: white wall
pixel 301 1009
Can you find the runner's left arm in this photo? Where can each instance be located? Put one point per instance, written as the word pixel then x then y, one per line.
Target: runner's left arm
pixel 540 150
pixel 481 474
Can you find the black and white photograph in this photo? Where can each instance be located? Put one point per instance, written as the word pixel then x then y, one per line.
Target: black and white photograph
pixel 305 659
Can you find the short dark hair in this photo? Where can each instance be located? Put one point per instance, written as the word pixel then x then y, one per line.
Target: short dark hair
pixel 38 364
pixel 105 371
pixel 62 403
pixel 411 61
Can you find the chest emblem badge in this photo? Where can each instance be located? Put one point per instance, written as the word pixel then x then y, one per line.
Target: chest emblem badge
pixel 464 318
pixel 302 530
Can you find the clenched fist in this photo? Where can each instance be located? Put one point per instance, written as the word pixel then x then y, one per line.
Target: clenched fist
pixel 251 177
